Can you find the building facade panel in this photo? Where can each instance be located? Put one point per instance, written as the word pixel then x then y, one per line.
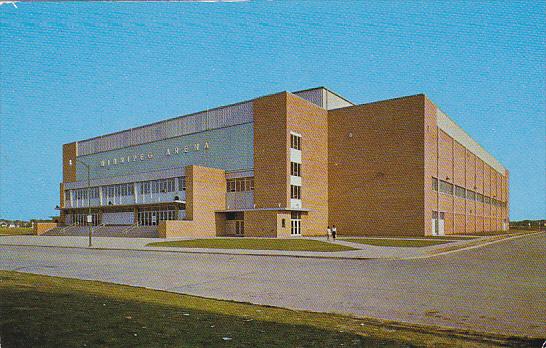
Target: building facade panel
pixel 310 122
pixel 227 148
pixel 270 152
pixel 372 148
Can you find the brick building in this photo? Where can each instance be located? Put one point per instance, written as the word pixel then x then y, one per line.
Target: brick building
pixel 290 164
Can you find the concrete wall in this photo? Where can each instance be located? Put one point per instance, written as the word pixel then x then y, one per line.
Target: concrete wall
pixel 376 168
pixel 42 227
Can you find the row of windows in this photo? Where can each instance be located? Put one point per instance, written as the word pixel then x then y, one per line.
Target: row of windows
pixel 295 192
pixel 295 142
pixel 82 193
pixel 458 191
pixel 157 186
pixel 240 184
pixel 295 169
pixel 121 190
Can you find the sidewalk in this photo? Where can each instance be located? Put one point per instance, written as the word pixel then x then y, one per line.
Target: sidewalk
pixel 139 244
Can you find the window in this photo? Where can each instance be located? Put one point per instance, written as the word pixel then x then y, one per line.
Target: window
pixel 295 142
pixel 283 223
pixel 471 195
pixel 124 190
pixel 295 192
pixel 145 187
pixel 295 169
pixel 230 185
pixel 166 185
pixel 446 187
pixel 479 197
pixel 487 200
pixel 182 183
pixel 240 184
pixel 460 191
pixel 434 184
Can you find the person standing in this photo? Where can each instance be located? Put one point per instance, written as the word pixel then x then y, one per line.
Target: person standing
pixel 334 232
pixel 328 232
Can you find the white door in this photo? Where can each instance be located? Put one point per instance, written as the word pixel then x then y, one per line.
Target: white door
pixel 441 223
pixel 434 223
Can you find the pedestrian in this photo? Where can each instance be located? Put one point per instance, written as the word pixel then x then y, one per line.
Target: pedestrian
pixel 328 232
pixel 334 232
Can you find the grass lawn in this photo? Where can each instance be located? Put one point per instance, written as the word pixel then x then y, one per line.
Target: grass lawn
pixel 396 242
pixel 15 231
pixel 44 311
pixel 255 244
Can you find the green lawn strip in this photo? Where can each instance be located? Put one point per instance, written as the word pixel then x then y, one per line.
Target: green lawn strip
pixel 15 231
pixel 476 242
pixel 412 243
pixel 255 244
pixel 44 311
pixel 447 237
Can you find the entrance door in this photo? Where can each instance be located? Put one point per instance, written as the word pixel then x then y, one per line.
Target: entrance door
pixel 295 223
pixel 434 223
pixel 441 223
pixel 239 227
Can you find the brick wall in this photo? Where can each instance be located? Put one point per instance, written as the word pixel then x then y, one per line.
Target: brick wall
pixel 376 168
pixel 448 160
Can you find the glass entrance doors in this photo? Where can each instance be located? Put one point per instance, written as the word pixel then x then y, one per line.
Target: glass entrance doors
pixel 153 217
pixel 295 223
pixel 81 219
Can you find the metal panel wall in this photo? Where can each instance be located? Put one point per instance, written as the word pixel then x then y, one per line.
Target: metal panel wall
pixel 315 96
pixel 230 149
pixel 453 130
pixel 183 125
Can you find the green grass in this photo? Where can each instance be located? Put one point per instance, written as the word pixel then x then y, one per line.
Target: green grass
pixel 447 237
pixel 413 243
pixel 44 311
pixel 15 231
pixel 255 244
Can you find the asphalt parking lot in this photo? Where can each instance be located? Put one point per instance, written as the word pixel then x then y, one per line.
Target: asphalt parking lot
pixel 497 288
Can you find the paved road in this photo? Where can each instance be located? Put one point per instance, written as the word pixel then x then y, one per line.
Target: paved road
pixel 499 287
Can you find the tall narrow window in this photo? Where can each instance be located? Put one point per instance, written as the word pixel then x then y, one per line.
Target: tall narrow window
pixel 295 192
pixel 434 184
pixel 295 142
pixel 182 183
pixel 295 169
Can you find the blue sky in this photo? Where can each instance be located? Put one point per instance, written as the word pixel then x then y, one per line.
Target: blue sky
pixel 77 70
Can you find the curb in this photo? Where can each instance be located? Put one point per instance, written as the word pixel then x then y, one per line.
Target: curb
pixel 195 252
pixel 281 255
pixel 485 243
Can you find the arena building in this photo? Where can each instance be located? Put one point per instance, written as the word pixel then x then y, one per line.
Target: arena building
pixel 289 164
